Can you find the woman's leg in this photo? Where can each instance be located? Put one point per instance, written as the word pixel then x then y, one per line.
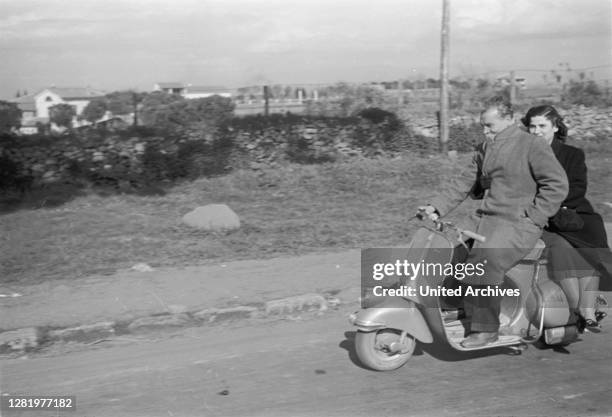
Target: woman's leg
pixel 571 288
pixel 588 295
pixel 562 267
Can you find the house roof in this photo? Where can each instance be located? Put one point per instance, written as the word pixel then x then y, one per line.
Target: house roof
pixel 68 93
pixel 173 84
pixel 207 89
pixel 25 103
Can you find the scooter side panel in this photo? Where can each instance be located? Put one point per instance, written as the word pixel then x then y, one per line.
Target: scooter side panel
pixel 394 313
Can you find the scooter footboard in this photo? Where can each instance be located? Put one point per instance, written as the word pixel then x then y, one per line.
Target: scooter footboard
pixel 397 314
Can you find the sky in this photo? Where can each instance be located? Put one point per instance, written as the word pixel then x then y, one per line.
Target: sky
pixel 121 44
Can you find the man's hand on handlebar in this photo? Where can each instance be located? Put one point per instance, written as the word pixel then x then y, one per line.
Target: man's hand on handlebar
pixel 428 211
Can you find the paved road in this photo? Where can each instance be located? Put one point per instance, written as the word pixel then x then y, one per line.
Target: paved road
pixel 307 368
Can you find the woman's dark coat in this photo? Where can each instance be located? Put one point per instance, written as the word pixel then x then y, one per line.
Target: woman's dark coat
pixel 591 241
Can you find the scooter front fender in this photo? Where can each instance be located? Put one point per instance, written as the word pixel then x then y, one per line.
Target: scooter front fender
pixel 398 314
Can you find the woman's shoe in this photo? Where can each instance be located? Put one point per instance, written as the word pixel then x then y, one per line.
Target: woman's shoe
pixel 592 325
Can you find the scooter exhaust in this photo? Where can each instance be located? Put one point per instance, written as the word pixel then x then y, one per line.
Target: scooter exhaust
pixel 561 335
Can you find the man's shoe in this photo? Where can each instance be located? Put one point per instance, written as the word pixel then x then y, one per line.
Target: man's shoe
pixel 478 339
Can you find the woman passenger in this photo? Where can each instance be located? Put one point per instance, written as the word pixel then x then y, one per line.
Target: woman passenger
pixel 578 246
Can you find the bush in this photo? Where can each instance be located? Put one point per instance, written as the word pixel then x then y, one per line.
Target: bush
pixel 173 114
pixel 378 116
pixel 585 93
pixel 464 138
pixel 10 173
pixel 10 116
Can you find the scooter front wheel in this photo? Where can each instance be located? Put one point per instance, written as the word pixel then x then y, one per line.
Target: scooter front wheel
pixel 384 350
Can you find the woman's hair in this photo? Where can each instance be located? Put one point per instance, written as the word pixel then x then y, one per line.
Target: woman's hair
pixel 550 113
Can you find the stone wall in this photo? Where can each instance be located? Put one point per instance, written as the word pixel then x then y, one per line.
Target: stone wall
pixel 588 123
pixel 583 122
pixel 51 159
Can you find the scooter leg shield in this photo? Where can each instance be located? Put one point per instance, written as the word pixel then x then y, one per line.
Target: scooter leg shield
pixel 402 315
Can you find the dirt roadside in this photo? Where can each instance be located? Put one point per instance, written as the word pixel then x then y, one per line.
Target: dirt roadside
pixel 130 294
pixel 130 300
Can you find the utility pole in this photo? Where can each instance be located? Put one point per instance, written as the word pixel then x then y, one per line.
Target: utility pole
pixel 135 101
pixel 266 100
pixel 444 78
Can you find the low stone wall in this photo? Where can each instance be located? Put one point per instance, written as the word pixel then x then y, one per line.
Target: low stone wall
pixel 45 160
pixel 588 123
pixel 50 160
pixel 583 122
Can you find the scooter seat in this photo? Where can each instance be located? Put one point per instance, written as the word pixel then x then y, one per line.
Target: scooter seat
pixel 536 252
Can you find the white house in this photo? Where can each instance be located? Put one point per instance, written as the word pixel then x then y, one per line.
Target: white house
pixel 198 91
pixel 170 87
pixel 35 107
pixel 190 91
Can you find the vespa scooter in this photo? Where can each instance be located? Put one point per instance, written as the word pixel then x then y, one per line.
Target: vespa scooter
pixel 388 327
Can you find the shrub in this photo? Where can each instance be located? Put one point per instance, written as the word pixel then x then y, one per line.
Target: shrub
pixel 62 114
pixel 377 115
pixel 464 138
pixel 586 93
pixel 10 116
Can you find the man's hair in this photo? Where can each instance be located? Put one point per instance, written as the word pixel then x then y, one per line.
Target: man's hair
pixel 501 104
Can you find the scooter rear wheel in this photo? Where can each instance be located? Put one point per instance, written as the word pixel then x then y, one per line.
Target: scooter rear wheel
pixel 374 349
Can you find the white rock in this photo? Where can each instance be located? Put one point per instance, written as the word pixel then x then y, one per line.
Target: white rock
pixel 213 217
pixel 142 267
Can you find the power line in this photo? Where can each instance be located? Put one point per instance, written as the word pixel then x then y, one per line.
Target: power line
pixel 541 70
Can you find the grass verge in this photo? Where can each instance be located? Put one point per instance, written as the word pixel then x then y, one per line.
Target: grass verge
pixel 291 210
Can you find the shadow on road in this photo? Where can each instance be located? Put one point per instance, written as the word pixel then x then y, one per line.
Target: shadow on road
pixel 437 350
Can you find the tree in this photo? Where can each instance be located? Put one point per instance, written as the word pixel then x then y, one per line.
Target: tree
pixel 125 102
pixel 345 100
pixel 212 110
pixel 122 102
pixel 62 114
pixel 173 113
pixel 156 110
pixel 10 116
pixel 95 110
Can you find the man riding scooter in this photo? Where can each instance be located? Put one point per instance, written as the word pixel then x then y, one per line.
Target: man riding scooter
pixel 521 185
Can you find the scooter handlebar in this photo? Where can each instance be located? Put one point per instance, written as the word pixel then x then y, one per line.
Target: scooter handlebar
pixel 474 235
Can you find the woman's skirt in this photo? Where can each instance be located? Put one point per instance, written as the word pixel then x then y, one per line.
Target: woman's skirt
pixel 564 260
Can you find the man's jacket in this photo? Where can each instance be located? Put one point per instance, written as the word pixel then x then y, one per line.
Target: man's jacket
pixel 523 176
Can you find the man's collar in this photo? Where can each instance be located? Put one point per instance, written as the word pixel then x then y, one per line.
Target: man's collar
pixel 506 133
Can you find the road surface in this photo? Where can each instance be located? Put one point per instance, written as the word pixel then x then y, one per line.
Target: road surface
pixel 307 368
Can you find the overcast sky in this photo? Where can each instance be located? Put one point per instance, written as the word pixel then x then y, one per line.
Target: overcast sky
pixel 118 44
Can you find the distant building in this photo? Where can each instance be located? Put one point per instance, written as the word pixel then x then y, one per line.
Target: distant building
pixel 197 91
pixel 170 87
pixel 31 125
pixel 192 91
pixel 505 81
pixel 110 122
pixel 35 107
